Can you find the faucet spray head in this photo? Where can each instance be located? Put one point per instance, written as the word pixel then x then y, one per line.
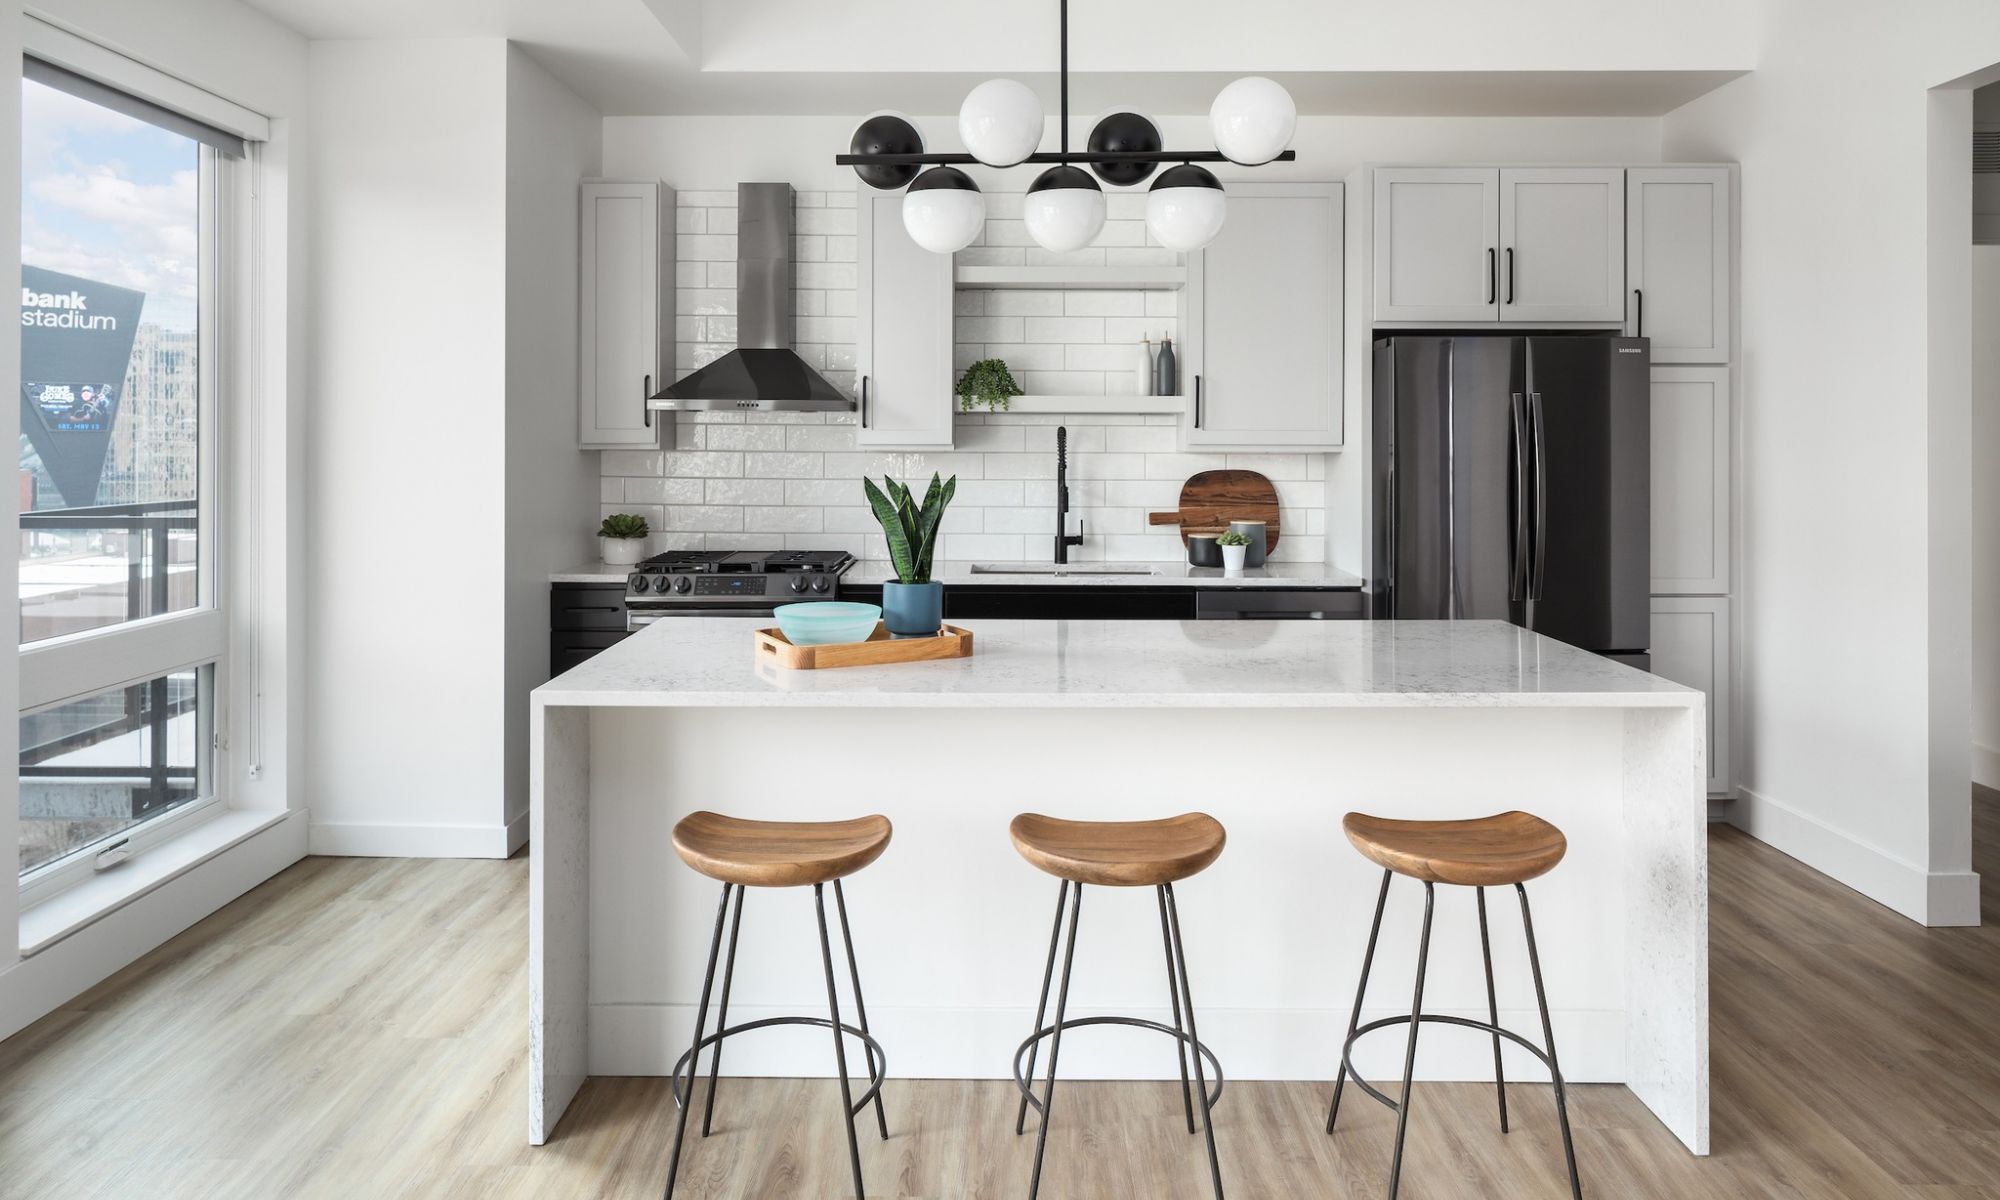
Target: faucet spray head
pixel 1062 447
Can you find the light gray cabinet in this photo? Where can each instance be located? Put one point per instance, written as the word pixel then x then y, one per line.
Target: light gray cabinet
pixel 1690 507
pixel 1677 261
pixel 1562 238
pixel 1691 647
pixel 624 300
pixel 1260 353
pixel 1437 244
pixel 903 330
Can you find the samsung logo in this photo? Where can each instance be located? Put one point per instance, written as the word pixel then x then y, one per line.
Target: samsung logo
pixel 1629 350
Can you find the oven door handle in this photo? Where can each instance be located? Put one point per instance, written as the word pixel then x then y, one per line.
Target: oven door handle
pixel 636 618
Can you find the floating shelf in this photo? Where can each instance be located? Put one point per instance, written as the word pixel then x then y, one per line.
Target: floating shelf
pixel 1157 279
pixel 1089 404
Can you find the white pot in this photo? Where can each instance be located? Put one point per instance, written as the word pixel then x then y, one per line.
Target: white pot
pixel 622 552
pixel 1232 558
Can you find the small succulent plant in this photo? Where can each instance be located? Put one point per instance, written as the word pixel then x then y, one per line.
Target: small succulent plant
pixel 623 525
pixel 1233 538
pixel 910 527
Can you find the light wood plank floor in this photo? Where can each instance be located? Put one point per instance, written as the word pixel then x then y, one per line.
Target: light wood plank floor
pixel 355 1028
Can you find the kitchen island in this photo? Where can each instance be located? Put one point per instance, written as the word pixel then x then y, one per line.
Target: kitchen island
pixel 1276 728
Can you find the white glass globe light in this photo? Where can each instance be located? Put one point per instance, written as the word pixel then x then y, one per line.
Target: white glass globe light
pixel 1253 120
pixel 1185 208
pixel 1064 209
pixel 1000 122
pixel 944 210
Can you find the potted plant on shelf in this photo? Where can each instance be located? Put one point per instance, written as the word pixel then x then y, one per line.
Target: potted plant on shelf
pixel 1234 546
pixel 913 605
pixel 987 382
pixel 623 538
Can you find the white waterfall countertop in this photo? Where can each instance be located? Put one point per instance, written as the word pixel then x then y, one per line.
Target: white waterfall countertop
pixel 710 662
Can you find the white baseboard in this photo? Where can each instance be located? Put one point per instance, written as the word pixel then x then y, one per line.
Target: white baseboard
pixel 357 839
pixel 1985 766
pixel 1929 898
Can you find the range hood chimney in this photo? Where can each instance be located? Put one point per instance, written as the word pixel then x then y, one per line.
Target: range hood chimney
pixel 763 373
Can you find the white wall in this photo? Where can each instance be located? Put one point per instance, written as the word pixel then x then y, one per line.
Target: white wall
pixel 1986 515
pixel 1840 637
pixel 554 139
pixel 408 428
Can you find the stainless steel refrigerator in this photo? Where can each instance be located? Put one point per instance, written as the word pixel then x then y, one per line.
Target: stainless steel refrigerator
pixel 1512 481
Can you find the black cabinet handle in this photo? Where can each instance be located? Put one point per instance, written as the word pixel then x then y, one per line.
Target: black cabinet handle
pixel 1492 276
pixel 1510 274
pixel 1197 401
pixel 864 402
pixel 1639 314
pixel 646 395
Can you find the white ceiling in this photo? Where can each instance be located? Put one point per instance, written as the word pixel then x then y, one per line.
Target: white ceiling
pixel 642 57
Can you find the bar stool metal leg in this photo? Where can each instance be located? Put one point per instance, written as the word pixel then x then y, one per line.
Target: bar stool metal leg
pixel 1042 1006
pixel 1055 1045
pixel 1492 1010
pixel 839 1043
pixel 1173 993
pixel 1549 1040
pixel 1354 1022
pixel 1200 1073
pixel 1410 1055
pixel 860 1005
pixel 700 1023
pixel 722 1014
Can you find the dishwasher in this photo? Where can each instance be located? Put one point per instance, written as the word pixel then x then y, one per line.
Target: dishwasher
pixel 1276 604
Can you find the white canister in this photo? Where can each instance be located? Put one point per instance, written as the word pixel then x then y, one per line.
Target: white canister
pixel 622 552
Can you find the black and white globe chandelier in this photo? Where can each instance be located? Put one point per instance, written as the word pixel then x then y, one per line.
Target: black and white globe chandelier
pixel 1252 119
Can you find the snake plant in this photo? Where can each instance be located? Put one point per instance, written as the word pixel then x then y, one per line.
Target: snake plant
pixel 910 527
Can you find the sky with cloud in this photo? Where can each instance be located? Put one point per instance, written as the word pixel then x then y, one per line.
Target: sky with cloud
pixel 110 198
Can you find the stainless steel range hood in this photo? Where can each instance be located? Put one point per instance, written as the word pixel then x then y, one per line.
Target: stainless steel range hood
pixel 762 374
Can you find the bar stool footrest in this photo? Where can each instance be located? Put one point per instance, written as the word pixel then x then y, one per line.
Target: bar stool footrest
pixel 1027 1087
pixel 878 1063
pixel 1347 1050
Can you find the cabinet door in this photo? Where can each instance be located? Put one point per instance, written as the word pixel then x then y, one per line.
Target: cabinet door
pixel 1562 252
pixel 1690 511
pixel 1691 647
pixel 1261 350
pixel 625 257
pixel 904 331
pixel 1677 261
pixel 1437 242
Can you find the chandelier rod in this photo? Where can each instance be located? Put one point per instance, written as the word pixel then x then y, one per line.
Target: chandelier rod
pixel 1085 157
pixel 1065 75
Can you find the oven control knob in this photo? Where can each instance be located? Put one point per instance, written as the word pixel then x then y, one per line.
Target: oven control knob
pixel 798 583
pixel 682 585
pixel 661 583
pixel 637 583
pixel 821 584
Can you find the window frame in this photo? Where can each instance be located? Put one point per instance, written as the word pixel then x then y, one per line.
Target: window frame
pixel 58 670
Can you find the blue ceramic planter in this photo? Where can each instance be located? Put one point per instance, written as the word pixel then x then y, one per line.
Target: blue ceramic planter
pixel 913 609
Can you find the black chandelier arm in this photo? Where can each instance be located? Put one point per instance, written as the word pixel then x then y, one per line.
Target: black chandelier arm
pixel 1082 156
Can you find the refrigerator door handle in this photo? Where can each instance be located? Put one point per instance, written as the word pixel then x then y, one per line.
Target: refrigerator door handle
pixel 1518 585
pixel 1538 418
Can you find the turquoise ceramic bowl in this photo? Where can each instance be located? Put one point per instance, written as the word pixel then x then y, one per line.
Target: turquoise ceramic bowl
pixel 825 622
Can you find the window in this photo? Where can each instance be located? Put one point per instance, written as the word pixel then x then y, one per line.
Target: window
pixel 122 224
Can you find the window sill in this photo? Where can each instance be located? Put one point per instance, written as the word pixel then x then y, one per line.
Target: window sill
pixel 63 914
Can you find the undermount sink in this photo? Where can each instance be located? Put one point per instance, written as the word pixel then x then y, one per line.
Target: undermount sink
pixel 1023 568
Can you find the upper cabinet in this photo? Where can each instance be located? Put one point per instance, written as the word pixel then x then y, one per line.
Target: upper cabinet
pixel 1468 245
pixel 904 310
pixel 1262 320
pixel 624 290
pixel 1677 261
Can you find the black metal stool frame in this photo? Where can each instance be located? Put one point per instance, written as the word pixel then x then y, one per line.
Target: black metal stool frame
pixel 1183 1005
pixel 683 1088
pixel 1418 1016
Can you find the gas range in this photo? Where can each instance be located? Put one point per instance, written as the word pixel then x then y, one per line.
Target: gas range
pixel 745 583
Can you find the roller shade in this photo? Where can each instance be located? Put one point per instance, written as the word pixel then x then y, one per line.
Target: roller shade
pixel 124 102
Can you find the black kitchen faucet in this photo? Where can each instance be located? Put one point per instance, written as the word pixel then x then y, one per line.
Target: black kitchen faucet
pixel 1064 538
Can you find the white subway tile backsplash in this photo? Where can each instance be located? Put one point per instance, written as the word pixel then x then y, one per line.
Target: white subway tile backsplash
pixel 793 480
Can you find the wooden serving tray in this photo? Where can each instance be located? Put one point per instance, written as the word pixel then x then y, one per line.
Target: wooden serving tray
pixel 880 648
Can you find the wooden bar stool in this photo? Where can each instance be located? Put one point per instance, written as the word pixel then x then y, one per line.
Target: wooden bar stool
pixel 1155 854
pixel 773 854
pixel 1510 848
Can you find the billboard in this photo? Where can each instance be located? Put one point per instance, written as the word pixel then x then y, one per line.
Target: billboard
pixel 76 343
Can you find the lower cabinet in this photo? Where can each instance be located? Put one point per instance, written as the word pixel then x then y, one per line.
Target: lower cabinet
pixel 1691 647
pixel 584 618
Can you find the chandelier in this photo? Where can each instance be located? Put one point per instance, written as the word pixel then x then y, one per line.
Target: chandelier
pixel 1001 125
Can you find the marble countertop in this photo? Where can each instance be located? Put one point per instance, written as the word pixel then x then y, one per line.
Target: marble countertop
pixel 709 662
pixel 1081 574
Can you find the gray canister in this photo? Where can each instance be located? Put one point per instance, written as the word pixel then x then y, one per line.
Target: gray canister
pixel 1253 555
pixel 1202 550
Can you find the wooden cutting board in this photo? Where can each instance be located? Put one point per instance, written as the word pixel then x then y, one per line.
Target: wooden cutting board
pixel 1210 500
